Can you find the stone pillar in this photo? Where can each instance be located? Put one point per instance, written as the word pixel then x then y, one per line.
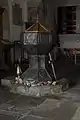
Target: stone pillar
pixel 10 19
pixel 25 13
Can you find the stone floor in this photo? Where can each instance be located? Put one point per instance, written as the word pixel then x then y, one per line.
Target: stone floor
pixel 65 106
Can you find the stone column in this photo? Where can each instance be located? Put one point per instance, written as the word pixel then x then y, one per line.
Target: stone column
pixel 10 19
pixel 25 13
pixel 25 21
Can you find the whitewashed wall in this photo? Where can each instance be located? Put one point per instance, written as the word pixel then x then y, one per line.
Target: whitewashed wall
pixel 52 11
pixel 16 29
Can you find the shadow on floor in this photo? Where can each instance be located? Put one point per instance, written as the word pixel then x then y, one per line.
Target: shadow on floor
pixel 65 68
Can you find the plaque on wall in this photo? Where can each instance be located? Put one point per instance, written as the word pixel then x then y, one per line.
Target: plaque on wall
pixel 17 14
